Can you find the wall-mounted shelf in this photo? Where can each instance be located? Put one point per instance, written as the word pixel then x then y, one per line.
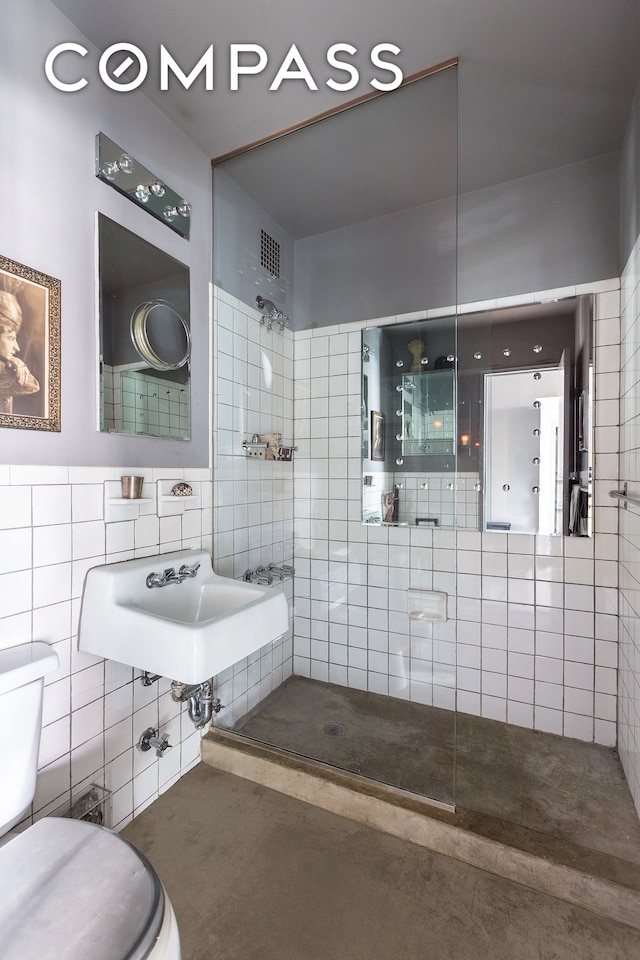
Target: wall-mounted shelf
pixel 116 507
pixel 268 447
pixel 169 504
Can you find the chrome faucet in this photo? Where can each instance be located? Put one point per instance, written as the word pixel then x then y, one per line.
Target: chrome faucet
pixel 266 575
pixel 188 573
pixel 282 571
pixel 185 572
pixel 259 575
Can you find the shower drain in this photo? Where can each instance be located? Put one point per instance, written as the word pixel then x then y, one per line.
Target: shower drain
pixel 333 729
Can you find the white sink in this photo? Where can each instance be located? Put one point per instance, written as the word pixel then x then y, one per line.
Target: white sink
pixel 187 631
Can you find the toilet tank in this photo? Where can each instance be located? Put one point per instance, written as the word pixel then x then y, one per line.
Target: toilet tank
pixel 22 672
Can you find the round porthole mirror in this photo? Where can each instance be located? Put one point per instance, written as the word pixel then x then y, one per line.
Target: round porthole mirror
pixel 160 335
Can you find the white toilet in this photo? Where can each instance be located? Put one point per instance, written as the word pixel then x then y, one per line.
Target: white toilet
pixel 70 889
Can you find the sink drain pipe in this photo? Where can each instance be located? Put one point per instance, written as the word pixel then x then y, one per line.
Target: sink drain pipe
pixel 202 703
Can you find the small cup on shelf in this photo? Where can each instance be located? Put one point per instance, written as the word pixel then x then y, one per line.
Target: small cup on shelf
pixel 131 487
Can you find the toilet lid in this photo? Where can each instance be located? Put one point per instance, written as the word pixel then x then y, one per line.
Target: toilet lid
pixel 72 890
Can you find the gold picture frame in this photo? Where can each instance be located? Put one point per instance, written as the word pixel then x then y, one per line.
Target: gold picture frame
pixel 29 348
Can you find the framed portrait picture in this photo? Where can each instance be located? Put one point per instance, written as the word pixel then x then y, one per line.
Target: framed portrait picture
pixel 377 435
pixel 29 348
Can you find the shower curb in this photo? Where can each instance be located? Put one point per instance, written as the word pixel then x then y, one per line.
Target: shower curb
pixel 406 817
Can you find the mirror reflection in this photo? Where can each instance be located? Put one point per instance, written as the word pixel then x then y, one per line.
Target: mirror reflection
pixel 428 415
pixel 144 335
pixel 487 420
pixel 160 335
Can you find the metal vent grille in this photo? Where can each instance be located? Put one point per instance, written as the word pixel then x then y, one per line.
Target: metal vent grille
pixel 269 254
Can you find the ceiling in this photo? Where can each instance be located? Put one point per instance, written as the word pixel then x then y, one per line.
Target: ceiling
pixel 389 154
pixel 540 84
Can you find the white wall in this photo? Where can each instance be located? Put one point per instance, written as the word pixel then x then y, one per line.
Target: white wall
pixel 238 222
pixel 50 195
pixel 555 228
pixel 52 516
pixel 510 449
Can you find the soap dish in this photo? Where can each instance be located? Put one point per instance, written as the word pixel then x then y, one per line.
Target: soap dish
pixel 175 496
pixel 181 490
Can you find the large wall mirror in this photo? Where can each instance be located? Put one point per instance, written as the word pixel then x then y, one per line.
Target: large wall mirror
pixel 144 336
pixel 486 420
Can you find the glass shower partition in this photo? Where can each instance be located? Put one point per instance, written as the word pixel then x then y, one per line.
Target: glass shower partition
pixel 410 499
pixel 373 690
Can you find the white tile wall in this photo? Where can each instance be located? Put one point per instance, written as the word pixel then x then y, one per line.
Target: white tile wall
pixel 52 529
pixel 134 402
pixel 629 626
pixel 531 632
pixel 253 499
pixel 455 503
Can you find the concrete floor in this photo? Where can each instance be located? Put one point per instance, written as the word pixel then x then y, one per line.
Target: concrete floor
pixel 560 788
pixel 256 875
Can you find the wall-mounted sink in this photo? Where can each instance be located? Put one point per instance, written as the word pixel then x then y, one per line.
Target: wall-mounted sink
pixel 189 628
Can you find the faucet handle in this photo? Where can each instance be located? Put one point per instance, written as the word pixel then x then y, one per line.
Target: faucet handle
pixel 161 744
pixel 282 571
pixel 188 571
pixel 263 575
pixel 156 580
pixel 151 739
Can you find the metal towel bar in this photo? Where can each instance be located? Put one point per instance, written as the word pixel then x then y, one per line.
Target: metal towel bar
pixel 624 497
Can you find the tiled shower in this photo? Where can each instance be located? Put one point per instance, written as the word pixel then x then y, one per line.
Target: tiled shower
pixel 532 630
pixel 531 634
